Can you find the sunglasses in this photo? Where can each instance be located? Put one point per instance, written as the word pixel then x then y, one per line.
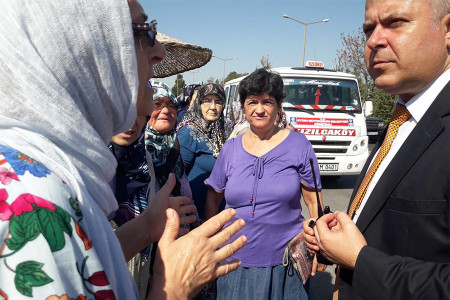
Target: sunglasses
pixel 146 31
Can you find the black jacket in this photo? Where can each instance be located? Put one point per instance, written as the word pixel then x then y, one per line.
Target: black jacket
pixel 406 218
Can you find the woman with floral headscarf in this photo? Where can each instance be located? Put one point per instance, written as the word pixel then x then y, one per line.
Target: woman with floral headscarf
pixel 74 86
pixel 202 134
pixel 65 89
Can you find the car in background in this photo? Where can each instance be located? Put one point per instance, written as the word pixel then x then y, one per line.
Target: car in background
pixel 375 127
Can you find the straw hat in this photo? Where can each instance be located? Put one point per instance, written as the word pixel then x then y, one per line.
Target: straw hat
pixel 181 57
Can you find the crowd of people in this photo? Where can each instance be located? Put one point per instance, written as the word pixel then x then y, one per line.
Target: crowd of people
pixel 112 187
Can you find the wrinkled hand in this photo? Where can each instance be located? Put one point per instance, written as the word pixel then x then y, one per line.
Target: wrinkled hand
pixel 131 236
pixel 184 265
pixel 156 210
pixel 340 243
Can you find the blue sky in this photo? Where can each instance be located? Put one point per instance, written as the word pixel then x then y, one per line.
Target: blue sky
pixel 251 29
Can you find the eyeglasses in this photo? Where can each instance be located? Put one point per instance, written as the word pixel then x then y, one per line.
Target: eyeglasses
pixel 146 31
pixel 209 102
pixel 158 106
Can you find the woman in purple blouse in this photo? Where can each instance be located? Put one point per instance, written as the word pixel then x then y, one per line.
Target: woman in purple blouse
pixel 263 174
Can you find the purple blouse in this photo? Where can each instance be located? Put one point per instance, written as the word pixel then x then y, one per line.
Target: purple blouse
pixel 265 192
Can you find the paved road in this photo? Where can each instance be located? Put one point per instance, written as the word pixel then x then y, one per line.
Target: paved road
pixel 336 194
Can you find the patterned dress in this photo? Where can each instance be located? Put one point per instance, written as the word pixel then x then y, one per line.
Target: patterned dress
pixel 51 245
pixel 198 158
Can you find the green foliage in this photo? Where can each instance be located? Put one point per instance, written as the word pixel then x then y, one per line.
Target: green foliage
pixel 383 104
pixel 234 75
pixel 179 85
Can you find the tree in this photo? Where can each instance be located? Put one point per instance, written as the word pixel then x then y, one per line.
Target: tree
pixel 383 104
pixel 234 75
pixel 179 85
pixel 265 63
pixel 350 59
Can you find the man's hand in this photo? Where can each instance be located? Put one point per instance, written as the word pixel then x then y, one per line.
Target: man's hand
pixel 184 265
pixel 155 213
pixel 312 246
pixel 342 243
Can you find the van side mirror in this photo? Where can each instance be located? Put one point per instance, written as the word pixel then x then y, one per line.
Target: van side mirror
pixel 368 108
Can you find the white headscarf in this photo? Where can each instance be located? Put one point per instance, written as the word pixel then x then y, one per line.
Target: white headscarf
pixel 68 83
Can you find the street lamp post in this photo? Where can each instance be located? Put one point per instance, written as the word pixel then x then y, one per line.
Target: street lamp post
pixel 193 73
pixel 224 60
pixel 304 38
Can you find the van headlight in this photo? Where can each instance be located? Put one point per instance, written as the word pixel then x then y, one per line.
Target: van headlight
pixel 363 143
pixel 355 148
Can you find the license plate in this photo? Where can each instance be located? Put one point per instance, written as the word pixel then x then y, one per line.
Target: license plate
pixel 372 133
pixel 328 167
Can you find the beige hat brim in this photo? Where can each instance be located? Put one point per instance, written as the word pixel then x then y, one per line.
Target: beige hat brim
pixel 181 57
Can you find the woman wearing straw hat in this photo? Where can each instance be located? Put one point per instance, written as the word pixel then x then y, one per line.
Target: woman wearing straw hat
pixel 134 183
pixel 74 86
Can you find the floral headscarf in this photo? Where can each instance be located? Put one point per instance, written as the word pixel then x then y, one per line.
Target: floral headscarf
pixel 214 132
pixel 69 88
pixel 166 158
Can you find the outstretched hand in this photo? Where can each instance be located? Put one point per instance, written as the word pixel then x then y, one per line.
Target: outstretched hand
pixel 131 236
pixel 184 265
pixel 156 210
pixel 341 243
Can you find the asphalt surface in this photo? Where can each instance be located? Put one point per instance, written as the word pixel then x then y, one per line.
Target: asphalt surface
pixel 336 194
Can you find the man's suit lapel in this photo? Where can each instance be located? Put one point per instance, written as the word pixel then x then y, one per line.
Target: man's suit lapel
pixel 425 132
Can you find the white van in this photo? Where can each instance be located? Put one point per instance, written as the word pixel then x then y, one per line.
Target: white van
pixel 325 106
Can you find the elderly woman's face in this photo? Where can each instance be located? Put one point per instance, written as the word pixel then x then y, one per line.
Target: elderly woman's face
pixel 212 107
pixel 164 115
pixel 261 111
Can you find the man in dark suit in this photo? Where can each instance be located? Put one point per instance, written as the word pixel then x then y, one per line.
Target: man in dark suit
pixel 395 242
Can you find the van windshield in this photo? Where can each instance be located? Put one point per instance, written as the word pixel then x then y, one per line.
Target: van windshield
pixel 321 94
